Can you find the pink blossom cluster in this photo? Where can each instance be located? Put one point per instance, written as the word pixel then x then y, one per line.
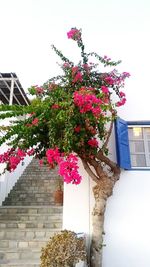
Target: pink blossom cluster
pixel 121 102
pixel 76 75
pixel 53 156
pixel 13 157
pixel 68 168
pixel 87 68
pixel 93 142
pixel 31 152
pixel 66 65
pixel 122 99
pixel 86 101
pixel 39 90
pixel 109 80
pixel 35 122
pixel 104 89
pixel 74 34
pixel 52 86
pixel 77 129
pixel 55 106
pixel 116 79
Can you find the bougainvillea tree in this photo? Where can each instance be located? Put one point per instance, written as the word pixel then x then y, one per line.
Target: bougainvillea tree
pixel 72 117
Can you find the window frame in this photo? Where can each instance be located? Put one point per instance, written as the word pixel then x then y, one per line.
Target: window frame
pixel 140 124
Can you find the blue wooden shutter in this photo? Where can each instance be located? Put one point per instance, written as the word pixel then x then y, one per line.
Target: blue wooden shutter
pixel 122 144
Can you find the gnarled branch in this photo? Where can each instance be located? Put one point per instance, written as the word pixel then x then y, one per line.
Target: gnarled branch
pixel 108 135
pixel 114 167
pixel 99 170
pixel 94 177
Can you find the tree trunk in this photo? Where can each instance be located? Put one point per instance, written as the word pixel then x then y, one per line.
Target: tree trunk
pixel 101 192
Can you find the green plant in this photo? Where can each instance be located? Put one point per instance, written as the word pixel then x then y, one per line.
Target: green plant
pixel 72 117
pixel 63 249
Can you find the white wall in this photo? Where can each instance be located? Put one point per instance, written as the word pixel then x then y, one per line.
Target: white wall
pixel 8 180
pixel 127 217
pixel 127 222
pixel 76 210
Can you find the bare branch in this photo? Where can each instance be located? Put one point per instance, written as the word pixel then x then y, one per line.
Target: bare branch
pixel 108 135
pixel 97 167
pixel 89 171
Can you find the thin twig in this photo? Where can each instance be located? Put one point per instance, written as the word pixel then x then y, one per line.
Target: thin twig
pixel 108 136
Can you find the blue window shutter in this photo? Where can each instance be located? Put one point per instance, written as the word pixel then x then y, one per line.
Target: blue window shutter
pixel 122 144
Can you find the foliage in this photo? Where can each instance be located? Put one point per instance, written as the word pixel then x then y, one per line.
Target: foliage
pixel 69 117
pixel 63 249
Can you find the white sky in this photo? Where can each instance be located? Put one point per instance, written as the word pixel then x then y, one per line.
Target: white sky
pixel 117 28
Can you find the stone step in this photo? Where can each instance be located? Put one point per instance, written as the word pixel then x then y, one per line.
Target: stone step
pixel 34 186
pixel 30 194
pixel 28 217
pixel 51 209
pixel 33 190
pixel 20 253
pixel 23 203
pixel 27 234
pixel 31 198
pixel 29 201
pixel 21 244
pixel 30 224
pixel 20 263
pixel 35 172
pixel 38 178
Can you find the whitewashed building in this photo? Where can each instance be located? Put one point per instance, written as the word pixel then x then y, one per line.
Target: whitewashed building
pixel 127 218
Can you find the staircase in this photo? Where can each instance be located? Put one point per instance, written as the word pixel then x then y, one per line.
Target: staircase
pixel 29 217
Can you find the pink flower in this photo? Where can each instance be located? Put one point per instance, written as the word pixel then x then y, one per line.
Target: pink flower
pixel 121 102
pixel 86 101
pixel 96 111
pixel 13 162
pixel 66 65
pixel 74 70
pixel 68 168
pixel 109 80
pixel 55 106
pixel 53 155
pixel 93 142
pixel 39 90
pixel 122 94
pixel 78 77
pixel 104 89
pixel 76 74
pixel 74 34
pixel 21 153
pixel 35 122
pixel 126 74
pixel 31 152
pixel 77 129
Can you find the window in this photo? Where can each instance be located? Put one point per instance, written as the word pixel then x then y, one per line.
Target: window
pixel 133 144
pixel 139 144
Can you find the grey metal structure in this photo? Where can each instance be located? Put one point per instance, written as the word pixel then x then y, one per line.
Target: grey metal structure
pixel 11 91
